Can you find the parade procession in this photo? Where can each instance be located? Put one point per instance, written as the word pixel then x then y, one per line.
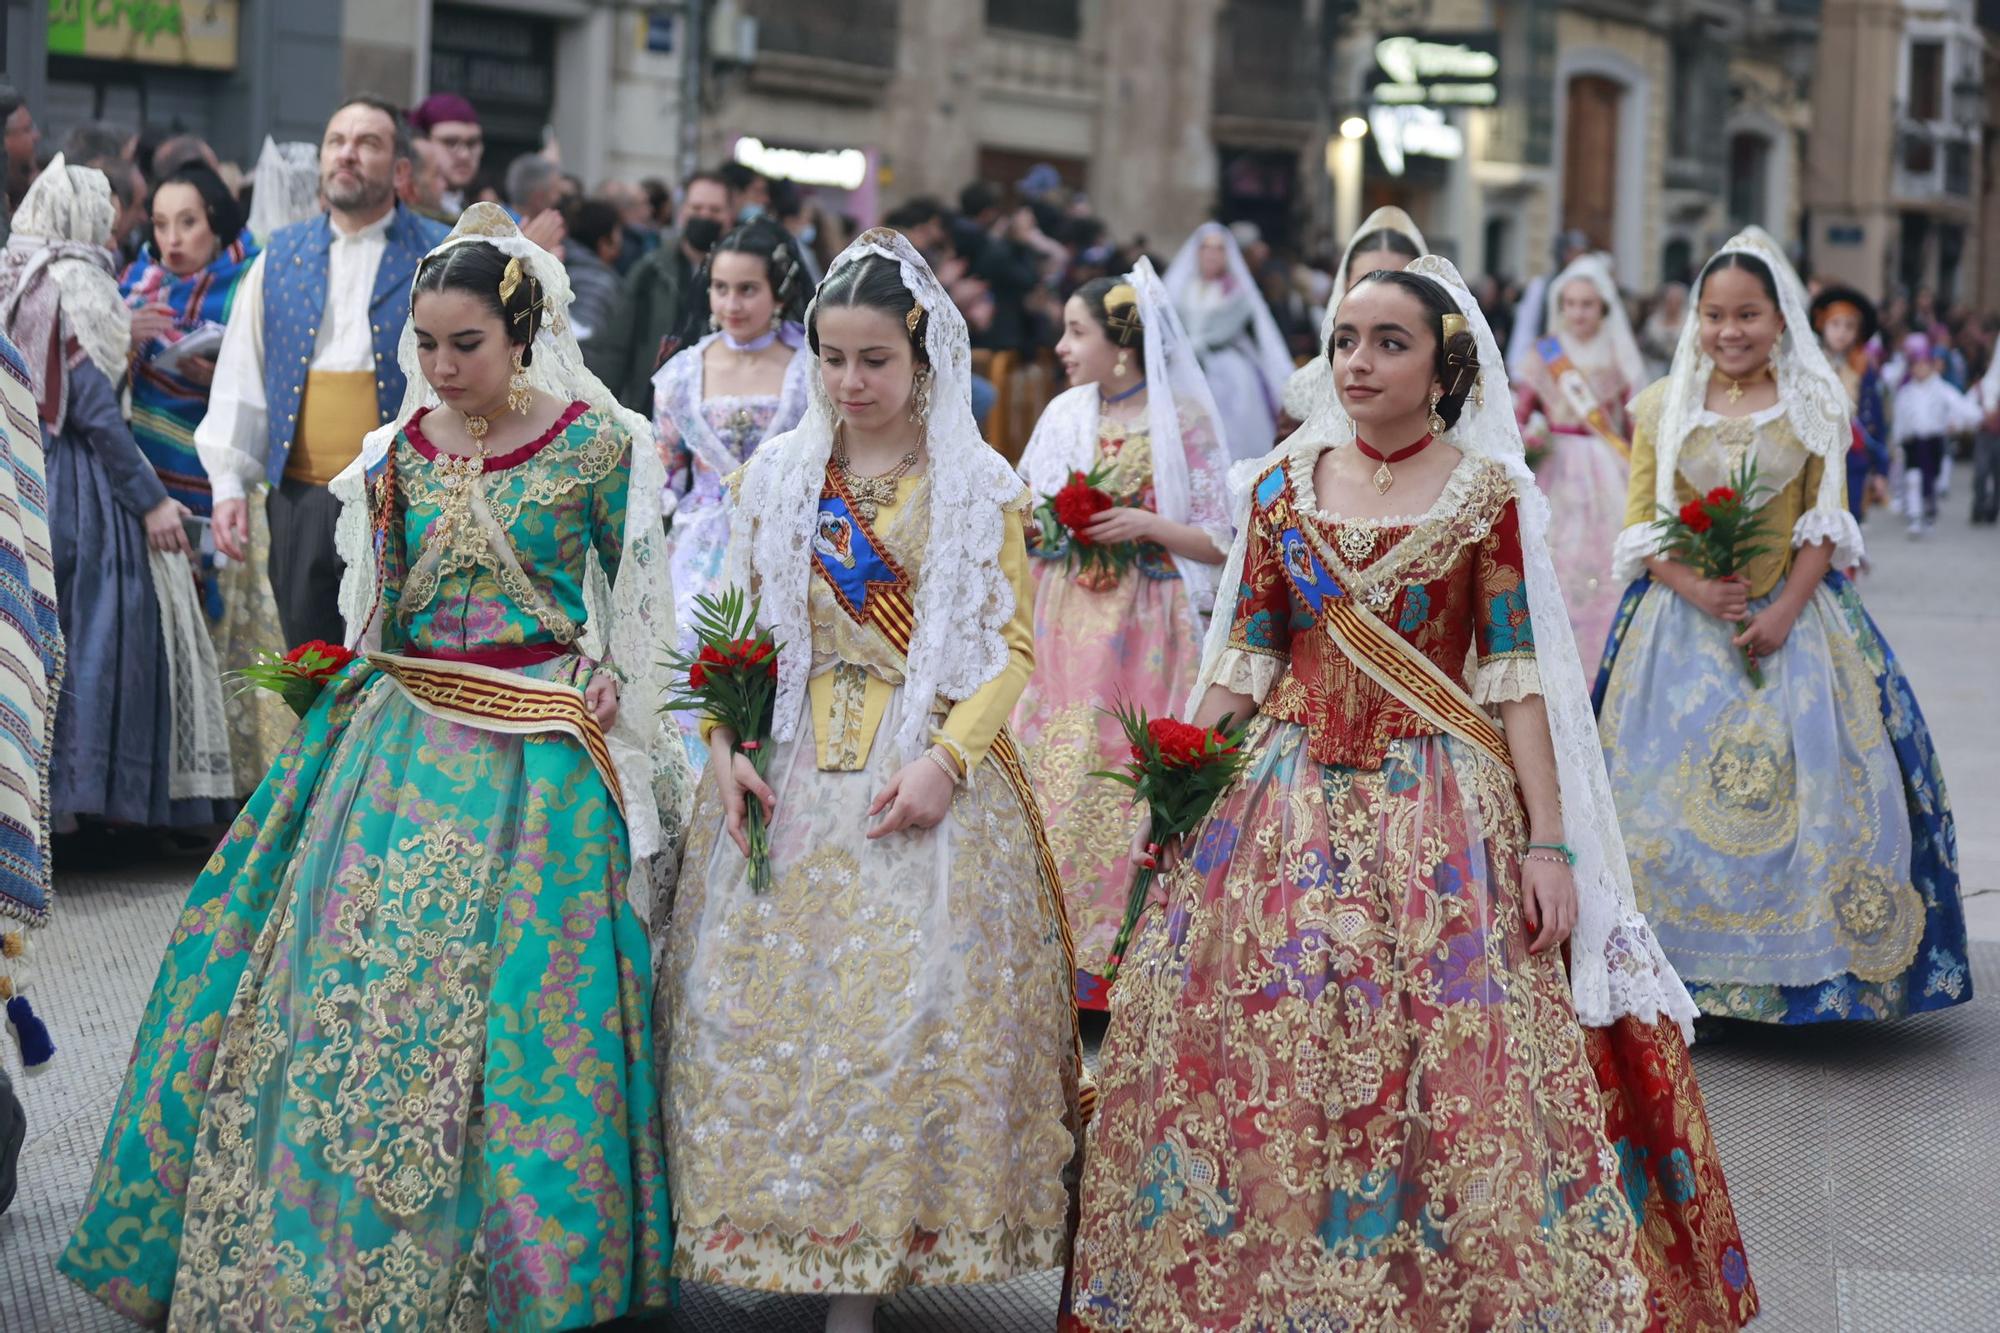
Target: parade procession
pixel 999 666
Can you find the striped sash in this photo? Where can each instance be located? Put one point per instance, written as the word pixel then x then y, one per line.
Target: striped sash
pixel 1386 657
pixel 1576 389
pixel 502 701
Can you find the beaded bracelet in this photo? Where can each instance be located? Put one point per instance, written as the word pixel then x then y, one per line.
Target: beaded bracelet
pixel 1562 854
pixel 937 758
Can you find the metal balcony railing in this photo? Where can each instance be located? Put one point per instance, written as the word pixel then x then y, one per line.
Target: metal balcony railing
pixel 1264 61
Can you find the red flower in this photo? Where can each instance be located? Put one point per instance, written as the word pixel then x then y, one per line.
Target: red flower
pixel 735 655
pixel 329 658
pixel 1721 495
pixel 1181 744
pixel 1078 504
pixel 1695 517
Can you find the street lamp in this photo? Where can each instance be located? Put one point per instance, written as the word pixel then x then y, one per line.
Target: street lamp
pixel 1354 127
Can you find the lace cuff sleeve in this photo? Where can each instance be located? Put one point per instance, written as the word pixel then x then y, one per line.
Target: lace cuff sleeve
pixel 1836 526
pixel 1635 546
pixel 1505 680
pixel 1251 673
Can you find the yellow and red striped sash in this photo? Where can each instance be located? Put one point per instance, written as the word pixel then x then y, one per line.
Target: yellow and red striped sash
pixel 1415 681
pixel 1570 382
pixel 503 701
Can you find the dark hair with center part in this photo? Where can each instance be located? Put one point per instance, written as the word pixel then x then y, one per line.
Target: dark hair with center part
pixel 1749 263
pixel 1120 322
pixel 784 270
pixel 225 219
pixel 1454 360
pixel 1384 239
pixel 476 268
pixel 874 283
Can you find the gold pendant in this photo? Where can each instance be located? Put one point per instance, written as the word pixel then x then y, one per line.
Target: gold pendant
pixel 1384 478
pixel 1734 393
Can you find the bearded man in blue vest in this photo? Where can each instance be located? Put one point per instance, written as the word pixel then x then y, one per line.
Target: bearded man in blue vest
pixel 308 362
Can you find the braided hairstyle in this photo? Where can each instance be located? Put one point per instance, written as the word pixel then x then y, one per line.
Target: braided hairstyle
pixel 784 269
pixel 481 269
pixel 1457 364
pixel 875 283
pixel 1114 304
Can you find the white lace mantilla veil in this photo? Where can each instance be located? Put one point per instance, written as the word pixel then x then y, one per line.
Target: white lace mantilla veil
pixel 1814 399
pixel 1274 358
pixel 678 394
pixel 964 600
pixel 631 624
pixel 286 187
pixel 1190 463
pixel 1596 270
pixel 1616 966
pixel 1311 386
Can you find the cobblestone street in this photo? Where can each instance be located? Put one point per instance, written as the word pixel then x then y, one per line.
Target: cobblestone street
pixel 1860 1159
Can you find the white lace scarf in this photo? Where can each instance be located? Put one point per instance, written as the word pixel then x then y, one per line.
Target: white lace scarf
pixel 678 393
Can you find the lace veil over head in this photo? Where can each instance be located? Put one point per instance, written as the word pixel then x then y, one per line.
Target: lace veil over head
pixel 1190 463
pixel 1616 966
pixel 964 600
pixel 1310 389
pixel 1274 358
pixel 1616 331
pixel 286 188
pixel 630 624
pixel 1809 388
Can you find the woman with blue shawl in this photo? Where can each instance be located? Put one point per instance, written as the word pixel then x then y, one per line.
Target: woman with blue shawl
pixel 181 289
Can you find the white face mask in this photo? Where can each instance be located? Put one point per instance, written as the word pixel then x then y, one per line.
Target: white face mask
pixel 808 234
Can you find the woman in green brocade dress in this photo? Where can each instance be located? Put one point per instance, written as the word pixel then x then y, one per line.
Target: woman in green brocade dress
pixel 397 1070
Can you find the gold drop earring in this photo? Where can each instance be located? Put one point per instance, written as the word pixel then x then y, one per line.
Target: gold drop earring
pixel 920 399
pixel 1118 369
pixel 520 397
pixel 1436 422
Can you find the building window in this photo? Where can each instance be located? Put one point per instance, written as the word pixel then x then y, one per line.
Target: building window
pixel 1749 157
pixel 1046 18
pixel 1927 80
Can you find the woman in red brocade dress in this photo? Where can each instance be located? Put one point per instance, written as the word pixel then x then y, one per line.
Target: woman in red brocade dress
pixel 1345 1083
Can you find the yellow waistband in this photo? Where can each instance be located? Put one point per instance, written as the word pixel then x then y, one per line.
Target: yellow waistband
pixel 339 408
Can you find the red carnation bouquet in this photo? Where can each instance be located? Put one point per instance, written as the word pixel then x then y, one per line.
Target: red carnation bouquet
pixel 297 677
pixel 1063 520
pixel 732 679
pixel 1717 536
pixel 1178 770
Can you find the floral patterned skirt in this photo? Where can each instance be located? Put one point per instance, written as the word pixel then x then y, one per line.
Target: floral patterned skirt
pixel 396 1070
pixel 1094 647
pixel 1584 478
pixel 1337 1090
pixel 870 1067
pixel 1792 846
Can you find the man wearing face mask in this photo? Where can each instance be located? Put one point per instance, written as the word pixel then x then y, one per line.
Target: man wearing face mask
pixel 632 343
pixel 308 363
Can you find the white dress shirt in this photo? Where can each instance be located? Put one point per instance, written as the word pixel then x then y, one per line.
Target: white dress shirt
pixel 1932 407
pixel 233 439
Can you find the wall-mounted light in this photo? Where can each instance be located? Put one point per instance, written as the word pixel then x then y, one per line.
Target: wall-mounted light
pixel 1354 127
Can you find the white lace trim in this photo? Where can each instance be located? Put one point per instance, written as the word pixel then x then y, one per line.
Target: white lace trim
pixel 1836 526
pixel 1253 674
pixel 199 767
pixel 1506 680
pixel 679 386
pixel 1635 546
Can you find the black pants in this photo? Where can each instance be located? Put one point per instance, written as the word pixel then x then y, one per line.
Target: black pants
pixel 305 564
pixel 1922 458
pixel 1986 478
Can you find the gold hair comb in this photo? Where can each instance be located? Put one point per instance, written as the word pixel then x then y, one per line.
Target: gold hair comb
pixel 1453 326
pixel 914 318
pixel 1124 327
pixel 510 279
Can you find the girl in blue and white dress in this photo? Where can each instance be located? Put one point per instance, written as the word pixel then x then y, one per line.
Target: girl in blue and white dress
pixel 719 400
pixel 1791 843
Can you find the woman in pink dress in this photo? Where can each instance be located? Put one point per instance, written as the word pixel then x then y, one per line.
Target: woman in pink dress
pixel 1139 415
pixel 1570 394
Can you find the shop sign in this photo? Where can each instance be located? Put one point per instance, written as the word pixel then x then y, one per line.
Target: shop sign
pixel 196 33
pixel 1403 132
pixel 839 169
pixel 1438 69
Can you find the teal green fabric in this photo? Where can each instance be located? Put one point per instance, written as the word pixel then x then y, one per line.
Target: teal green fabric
pixel 396 1072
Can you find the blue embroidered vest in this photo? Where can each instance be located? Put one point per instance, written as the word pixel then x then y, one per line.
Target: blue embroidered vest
pixel 295 298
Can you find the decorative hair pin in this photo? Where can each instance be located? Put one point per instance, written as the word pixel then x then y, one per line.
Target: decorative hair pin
pixel 510 279
pixel 914 318
pixel 1124 326
pixel 1461 365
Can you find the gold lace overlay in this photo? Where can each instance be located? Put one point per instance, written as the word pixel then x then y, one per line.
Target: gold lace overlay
pixel 396 981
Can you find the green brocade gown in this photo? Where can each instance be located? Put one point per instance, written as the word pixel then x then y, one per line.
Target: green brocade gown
pixel 396 1073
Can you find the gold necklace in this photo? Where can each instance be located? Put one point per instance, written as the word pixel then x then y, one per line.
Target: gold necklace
pixel 871 493
pixel 1734 393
